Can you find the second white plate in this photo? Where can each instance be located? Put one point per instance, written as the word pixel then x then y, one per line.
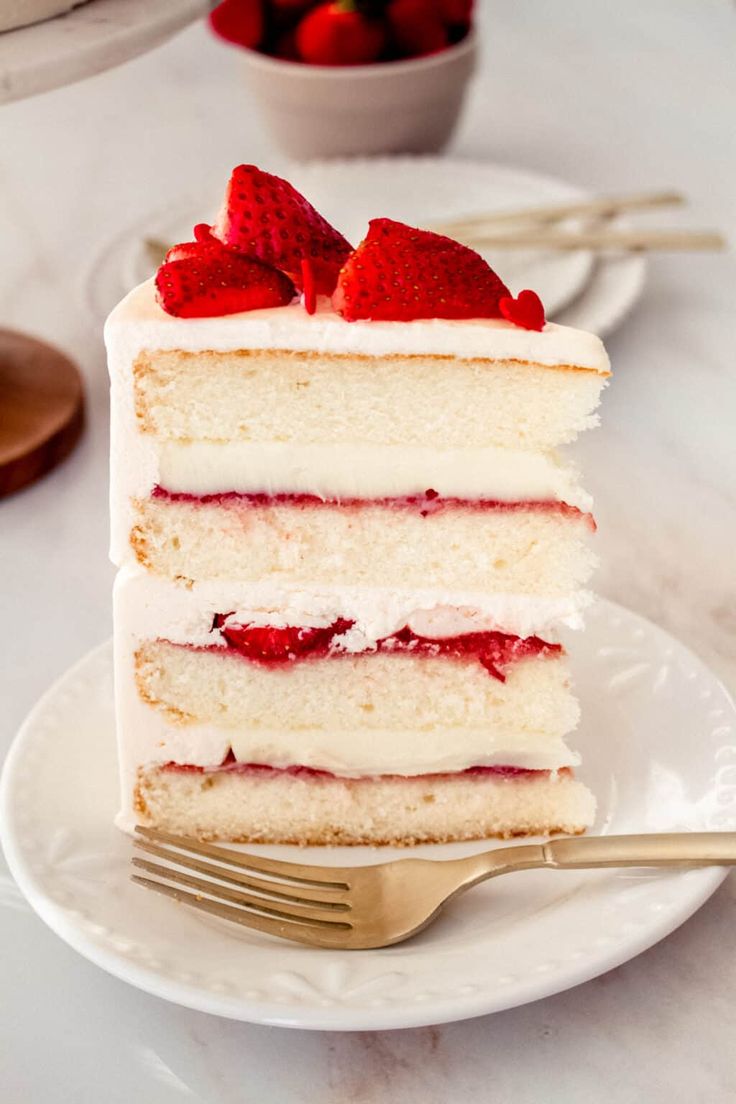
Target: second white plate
pixel 659 746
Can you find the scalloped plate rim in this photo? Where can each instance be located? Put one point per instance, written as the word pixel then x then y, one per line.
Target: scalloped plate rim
pixel 701 885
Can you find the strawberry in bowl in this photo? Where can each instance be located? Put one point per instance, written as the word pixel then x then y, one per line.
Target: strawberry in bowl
pixel 342 77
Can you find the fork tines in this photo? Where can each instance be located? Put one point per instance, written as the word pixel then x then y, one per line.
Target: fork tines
pixel 285 899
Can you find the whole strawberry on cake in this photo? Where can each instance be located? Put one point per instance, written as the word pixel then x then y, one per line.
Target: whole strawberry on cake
pixel 345 542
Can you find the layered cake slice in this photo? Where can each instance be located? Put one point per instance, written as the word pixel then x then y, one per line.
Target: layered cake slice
pixel 345 540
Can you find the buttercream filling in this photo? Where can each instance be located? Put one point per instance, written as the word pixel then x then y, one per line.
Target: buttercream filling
pixel 363 471
pixel 376 751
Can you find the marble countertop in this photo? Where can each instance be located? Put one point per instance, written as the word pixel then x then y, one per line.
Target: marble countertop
pixel 616 98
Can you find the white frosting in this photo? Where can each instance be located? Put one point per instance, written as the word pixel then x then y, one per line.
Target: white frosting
pixel 150 606
pixel 139 323
pixel 364 471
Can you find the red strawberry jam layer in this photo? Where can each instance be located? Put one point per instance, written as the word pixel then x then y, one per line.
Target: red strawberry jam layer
pixel 427 504
pixel 268 645
pixel 230 765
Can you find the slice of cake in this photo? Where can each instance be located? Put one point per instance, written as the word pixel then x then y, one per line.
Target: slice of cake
pixel 345 541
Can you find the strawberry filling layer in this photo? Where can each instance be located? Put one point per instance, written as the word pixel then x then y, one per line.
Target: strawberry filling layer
pixel 230 765
pixel 268 645
pixel 427 504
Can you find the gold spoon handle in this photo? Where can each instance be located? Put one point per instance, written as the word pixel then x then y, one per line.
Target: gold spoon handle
pixel 602 206
pixel 662 240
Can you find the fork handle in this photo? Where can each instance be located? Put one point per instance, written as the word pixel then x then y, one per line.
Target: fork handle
pixel 673 849
pixel 656 849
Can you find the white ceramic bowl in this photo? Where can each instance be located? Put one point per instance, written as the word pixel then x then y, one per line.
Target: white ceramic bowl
pixel 407 106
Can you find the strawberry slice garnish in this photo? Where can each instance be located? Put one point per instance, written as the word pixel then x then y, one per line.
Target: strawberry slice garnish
pixel 526 310
pixel 271 645
pixel 200 279
pixel 399 274
pixel 265 217
pixel 310 292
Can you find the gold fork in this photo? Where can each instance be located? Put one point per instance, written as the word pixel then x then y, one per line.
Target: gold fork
pixel 356 907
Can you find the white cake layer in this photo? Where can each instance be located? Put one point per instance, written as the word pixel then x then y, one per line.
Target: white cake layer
pixel 282 808
pixel 535 551
pixel 138 323
pixel 149 606
pixel 315 397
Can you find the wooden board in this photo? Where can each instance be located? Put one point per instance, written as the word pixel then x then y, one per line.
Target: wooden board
pixel 41 409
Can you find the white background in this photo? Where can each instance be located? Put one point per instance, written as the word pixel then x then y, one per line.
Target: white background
pixel 614 97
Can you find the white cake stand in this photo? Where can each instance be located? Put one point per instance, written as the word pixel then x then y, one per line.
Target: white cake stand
pixel 87 40
pixel 41 395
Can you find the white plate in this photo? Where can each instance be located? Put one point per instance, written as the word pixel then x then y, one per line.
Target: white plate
pixel 418 190
pixel 659 742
